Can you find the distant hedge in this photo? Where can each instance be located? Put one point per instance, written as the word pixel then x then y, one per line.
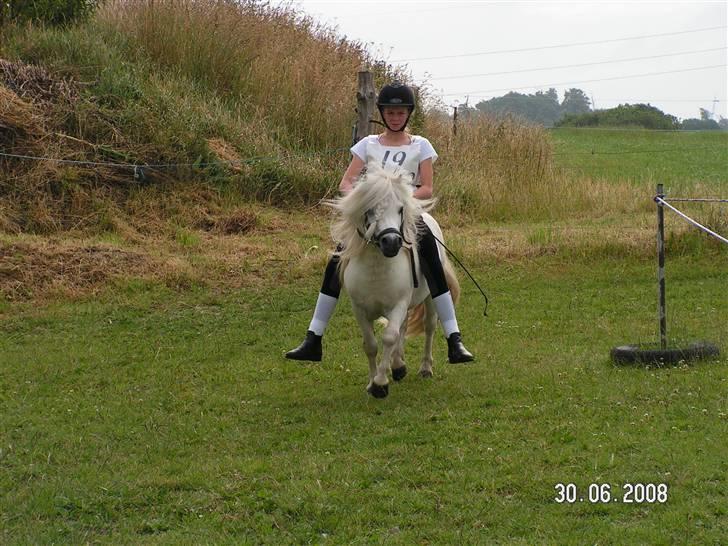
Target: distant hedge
pixel 624 115
pixel 694 124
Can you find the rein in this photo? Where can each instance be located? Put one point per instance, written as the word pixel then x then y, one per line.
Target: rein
pixel 485 310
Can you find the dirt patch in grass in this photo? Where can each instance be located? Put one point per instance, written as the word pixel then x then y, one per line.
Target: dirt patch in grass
pixel 236 249
pixel 236 222
pixel 29 271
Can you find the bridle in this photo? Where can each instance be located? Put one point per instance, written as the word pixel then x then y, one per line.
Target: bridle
pixel 377 237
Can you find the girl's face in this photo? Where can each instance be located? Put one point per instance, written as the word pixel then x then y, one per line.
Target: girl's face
pixel 395 116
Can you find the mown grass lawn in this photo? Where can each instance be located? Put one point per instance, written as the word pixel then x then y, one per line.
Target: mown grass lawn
pixel 677 159
pixel 150 416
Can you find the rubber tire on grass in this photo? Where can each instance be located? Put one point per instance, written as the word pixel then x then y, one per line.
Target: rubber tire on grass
pixel 640 354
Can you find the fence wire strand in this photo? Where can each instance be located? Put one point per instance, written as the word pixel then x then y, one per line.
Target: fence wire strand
pixel 135 166
pixel 697 200
pixel 660 201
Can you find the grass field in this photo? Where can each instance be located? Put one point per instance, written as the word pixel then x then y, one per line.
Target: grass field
pixel 148 416
pixel 144 397
pixel 681 160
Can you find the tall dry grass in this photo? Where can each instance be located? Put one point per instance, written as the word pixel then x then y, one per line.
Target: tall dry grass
pixel 270 62
pixel 195 81
pixel 502 169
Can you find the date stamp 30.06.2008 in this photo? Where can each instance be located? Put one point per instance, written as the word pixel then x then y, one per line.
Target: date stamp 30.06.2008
pixel 604 493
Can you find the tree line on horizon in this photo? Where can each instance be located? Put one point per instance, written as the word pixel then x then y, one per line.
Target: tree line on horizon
pixel 575 110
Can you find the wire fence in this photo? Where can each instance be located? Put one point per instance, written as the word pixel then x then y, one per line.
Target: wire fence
pixel 138 171
pixel 137 166
pixel 663 203
pixel 625 152
pixel 254 159
pixel 697 200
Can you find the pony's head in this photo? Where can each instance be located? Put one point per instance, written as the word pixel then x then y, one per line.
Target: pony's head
pixel 380 210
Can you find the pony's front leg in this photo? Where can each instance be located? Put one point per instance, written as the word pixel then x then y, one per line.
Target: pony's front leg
pixel 369 343
pixel 430 327
pixel 390 341
pixel 399 368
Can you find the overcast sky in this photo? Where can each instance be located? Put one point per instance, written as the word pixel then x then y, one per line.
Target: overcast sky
pixel 475 43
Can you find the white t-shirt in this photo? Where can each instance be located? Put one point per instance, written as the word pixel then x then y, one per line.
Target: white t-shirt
pixel 406 157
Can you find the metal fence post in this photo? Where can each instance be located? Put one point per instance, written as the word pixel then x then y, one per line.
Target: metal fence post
pixel 662 313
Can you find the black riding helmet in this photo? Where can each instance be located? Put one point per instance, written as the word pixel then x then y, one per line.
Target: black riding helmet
pixel 396 94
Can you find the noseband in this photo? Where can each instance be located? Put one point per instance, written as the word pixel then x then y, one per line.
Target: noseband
pixel 377 237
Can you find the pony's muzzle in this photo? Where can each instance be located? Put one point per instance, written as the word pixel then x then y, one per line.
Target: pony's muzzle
pixel 390 244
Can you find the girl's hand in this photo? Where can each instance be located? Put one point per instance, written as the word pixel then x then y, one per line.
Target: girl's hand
pixel 352 173
pixel 426 180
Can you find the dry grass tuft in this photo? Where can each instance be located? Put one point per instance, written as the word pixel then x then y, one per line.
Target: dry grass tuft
pixel 225 152
pixel 238 222
pixel 19 119
pixel 35 83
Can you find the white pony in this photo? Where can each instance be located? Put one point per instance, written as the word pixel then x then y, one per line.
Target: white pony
pixel 376 225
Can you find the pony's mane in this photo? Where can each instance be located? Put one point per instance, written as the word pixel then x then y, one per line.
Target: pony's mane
pixel 373 189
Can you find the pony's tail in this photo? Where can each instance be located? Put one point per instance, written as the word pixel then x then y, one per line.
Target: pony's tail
pixel 416 315
pixel 416 320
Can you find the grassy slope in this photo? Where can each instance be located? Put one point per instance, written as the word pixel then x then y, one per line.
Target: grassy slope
pixel 148 416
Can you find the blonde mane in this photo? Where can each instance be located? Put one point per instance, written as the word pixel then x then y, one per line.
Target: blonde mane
pixel 375 189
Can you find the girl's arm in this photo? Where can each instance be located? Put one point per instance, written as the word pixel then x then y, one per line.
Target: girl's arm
pixel 352 173
pixel 426 180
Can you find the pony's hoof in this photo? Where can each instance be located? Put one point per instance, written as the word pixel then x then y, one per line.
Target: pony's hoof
pixel 425 373
pixel 378 391
pixel 399 373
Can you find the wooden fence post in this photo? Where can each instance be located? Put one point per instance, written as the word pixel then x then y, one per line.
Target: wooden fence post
pixel 365 104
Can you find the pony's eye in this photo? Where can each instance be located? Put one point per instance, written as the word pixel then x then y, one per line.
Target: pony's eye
pixel 401 210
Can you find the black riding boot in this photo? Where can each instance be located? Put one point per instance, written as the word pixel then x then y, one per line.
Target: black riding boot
pixel 310 349
pixel 456 351
pixel 437 283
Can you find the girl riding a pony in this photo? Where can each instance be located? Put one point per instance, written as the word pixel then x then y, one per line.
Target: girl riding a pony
pixel 391 150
